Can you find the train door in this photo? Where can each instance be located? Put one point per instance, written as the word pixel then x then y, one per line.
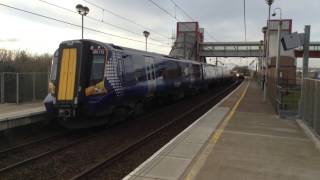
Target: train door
pixel 67 76
pixel 151 75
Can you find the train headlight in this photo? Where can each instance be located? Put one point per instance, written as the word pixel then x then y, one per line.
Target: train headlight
pixel 237 74
pixel 51 88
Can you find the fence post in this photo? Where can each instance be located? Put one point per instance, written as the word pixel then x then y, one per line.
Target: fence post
pixel 303 106
pixel 2 87
pixel 33 86
pixel 315 104
pixel 17 88
pixel 305 65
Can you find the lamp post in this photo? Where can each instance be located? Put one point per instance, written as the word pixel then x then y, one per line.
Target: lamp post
pixel 260 61
pixel 279 39
pixel 83 11
pixel 269 3
pixel 146 34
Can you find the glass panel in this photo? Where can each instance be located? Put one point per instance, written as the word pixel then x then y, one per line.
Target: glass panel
pixel 54 66
pixel 97 68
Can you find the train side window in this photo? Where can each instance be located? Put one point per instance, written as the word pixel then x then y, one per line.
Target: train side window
pixel 172 71
pixel 160 70
pixel 128 74
pixel 97 68
pixel 185 70
pixel 148 72
pixel 153 72
pixel 139 68
pixel 196 71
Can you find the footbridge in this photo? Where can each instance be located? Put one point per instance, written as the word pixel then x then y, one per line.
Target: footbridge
pixel 247 49
pixel 190 44
pixel 232 49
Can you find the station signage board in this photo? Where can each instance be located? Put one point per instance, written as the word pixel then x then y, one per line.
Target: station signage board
pixel 286 25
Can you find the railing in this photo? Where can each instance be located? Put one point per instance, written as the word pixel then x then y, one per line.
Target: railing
pixel 311 103
pixel 288 99
pixel 23 87
pixel 231 49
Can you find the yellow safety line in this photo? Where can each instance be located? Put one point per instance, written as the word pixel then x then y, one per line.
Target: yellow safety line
pixel 194 170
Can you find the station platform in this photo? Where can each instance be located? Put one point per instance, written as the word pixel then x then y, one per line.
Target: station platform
pixel 241 138
pixel 13 115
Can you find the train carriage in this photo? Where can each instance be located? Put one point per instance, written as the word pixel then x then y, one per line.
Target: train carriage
pixel 91 78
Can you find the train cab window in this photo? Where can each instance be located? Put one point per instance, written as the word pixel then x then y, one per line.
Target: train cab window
pixel 97 68
pixel 54 66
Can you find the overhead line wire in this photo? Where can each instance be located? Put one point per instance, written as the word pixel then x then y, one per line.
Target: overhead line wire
pixel 104 22
pixel 126 19
pixel 164 10
pixel 245 21
pixel 190 17
pixel 75 25
pixel 173 2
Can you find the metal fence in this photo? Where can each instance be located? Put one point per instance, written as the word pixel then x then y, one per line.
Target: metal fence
pixel 288 98
pixel 311 103
pixel 23 87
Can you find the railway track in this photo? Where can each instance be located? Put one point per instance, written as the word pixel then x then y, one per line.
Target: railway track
pixel 114 157
pixel 47 142
pixel 32 143
pixel 82 147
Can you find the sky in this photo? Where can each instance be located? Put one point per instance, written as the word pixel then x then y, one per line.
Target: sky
pixel 222 20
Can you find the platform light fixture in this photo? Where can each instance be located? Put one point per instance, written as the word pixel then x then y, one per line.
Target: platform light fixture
pixel 83 11
pixel 269 3
pixel 146 35
pixel 279 41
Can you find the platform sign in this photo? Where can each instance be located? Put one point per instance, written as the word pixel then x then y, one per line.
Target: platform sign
pixel 187 27
pixel 292 41
pixel 286 25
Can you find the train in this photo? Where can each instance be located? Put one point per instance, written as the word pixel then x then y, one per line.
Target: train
pixel 94 83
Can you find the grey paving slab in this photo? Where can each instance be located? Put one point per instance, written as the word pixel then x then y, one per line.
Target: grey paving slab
pixel 213 117
pixel 168 168
pixel 256 144
pixel 199 135
pixel 185 150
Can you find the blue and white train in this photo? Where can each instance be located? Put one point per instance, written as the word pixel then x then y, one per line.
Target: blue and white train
pixel 95 79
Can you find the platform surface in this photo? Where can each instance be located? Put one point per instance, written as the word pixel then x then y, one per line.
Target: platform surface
pixel 240 139
pixel 13 115
pixel 12 107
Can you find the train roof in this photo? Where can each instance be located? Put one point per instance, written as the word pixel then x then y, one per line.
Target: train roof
pixel 136 51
